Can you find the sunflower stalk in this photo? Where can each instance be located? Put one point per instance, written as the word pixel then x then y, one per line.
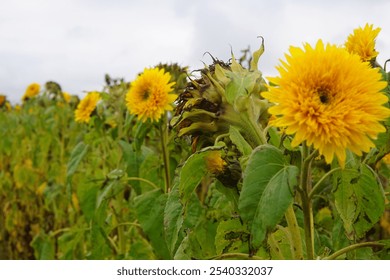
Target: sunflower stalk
pixel 247 124
pixel 165 152
pixel 305 186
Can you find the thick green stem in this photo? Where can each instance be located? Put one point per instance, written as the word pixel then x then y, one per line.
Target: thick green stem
pixel 164 145
pixel 353 247
pixel 295 233
pixel 253 131
pixel 305 189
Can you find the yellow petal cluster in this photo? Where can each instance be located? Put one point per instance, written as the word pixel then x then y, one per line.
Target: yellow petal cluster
pixel 149 95
pixel 329 98
pixel 362 42
pixel 86 106
pixel 214 162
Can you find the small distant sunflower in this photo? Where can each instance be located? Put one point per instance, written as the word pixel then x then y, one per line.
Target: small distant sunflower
pixel 330 99
pixel 149 95
pixel 362 42
pixel 31 91
pixel 86 107
pixel 2 100
pixel 8 106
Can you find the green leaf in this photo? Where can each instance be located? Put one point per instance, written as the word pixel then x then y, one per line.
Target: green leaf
pixel 87 194
pixel 276 198
pixel 75 157
pixel 256 56
pixel 173 218
pixel 239 141
pixel 264 162
pixel 70 244
pixel 241 84
pixel 141 129
pixel 184 251
pixel 151 170
pixel 359 199
pixel 43 245
pixel 150 212
pixel 100 243
pixel 191 174
pixel 199 243
pixel 281 245
pixel 133 160
pixel 232 237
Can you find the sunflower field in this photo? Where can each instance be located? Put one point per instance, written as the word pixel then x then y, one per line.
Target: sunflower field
pixel 217 163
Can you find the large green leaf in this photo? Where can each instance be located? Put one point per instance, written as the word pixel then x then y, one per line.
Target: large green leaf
pixel 87 194
pixel 76 156
pixel 100 243
pixel 276 198
pixel 150 212
pixel 43 245
pixel 173 218
pixel 133 160
pixel 191 174
pixel 359 199
pixel 264 162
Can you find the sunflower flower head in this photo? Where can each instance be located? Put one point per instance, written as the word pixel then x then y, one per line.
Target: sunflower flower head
pixel 3 100
pixel 362 42
pixel 150 95
pixel 329 98
pixel 86 106
pixel 31 91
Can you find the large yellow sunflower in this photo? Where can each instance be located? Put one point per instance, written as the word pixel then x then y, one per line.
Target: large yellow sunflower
pixel 362 42
pixel 330 99
pixel 149 95
pixel 31 91
pixel 86 107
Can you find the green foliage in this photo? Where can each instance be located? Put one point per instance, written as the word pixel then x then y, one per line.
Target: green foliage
pixel 359 199
pixel 119 188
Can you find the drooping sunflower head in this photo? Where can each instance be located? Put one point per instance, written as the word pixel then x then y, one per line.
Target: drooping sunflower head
pixel 362 42
pixel 329 98
pixel 86 106
pixel 31 91
pixel 226 94
pixel 150 95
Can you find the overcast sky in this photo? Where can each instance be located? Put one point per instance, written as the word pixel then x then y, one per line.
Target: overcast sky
pixel 75 42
